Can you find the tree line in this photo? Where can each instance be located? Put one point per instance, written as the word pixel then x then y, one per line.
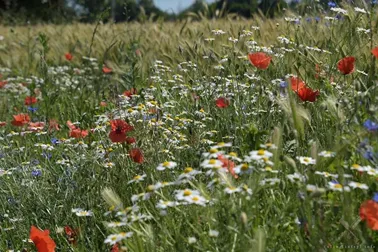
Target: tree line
pixel 62 11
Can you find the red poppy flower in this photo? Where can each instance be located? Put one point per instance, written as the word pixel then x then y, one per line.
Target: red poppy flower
pixel 20 119
pixel 369 212
pixel 71 234
pixel 3 124
pixel 259 60
pixel 103 104
pixel 130 92
pixel 296 84
pixel 136 155
pixel 78 133
pixel 119 130
pixel 228 164
pixel 222 102
pixel 115 248
pixel 36 126
pixel 42 240
pixel 106 70
pixel 71 125
pixel 130 140
pixel 307 94
pixel 3 83
pixel 53 125
pixel 346 65
pixel 68 56
pixel 29 100
pixel 375 52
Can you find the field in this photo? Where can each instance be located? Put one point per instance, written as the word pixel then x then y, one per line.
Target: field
pixel 219 135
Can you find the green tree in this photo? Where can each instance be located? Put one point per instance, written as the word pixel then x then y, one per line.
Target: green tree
pixel 35 10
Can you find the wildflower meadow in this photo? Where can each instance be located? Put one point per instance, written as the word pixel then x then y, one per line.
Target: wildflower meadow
pixel 226 134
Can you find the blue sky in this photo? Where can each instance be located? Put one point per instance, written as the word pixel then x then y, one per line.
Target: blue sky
pixel 175 5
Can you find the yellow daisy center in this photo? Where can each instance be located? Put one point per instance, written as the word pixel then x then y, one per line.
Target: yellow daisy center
pixel 188 169
pixel 356 166
pixel 244 167
pixel 187 193
pixel 260 152
pixel 212 161
pixel 212 151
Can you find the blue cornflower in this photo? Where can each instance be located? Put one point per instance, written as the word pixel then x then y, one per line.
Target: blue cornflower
pixel 32 109
pixel 370 125
pixel 375 197
pixel 36 173
pixel 308 19
pixel 369 155
pixel 283 84
pixel 55 141
pixel 317 19
pixel 335 181
pixel 331 4
pixel 46 155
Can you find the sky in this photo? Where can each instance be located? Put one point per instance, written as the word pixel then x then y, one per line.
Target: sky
pixel 175 5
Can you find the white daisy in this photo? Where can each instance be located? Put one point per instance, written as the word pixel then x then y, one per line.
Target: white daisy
pixel 84 213
pixel 359 168
pixel 355 185
pixel 213 153
pixel 211 163
pixel 260 154
pixel 334 186
pixel 243 169
pixel 221 145
pixel 182 194
pixel 196 199
pixel 326 174
pixel 166 164
pixel 232 190
pixel 114 238
pixel 306 160
pixel 137 178
pixel 165 204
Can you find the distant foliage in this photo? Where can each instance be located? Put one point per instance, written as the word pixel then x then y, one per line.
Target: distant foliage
pixel 59 11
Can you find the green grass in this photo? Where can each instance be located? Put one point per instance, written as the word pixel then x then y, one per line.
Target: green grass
pixel 171 125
